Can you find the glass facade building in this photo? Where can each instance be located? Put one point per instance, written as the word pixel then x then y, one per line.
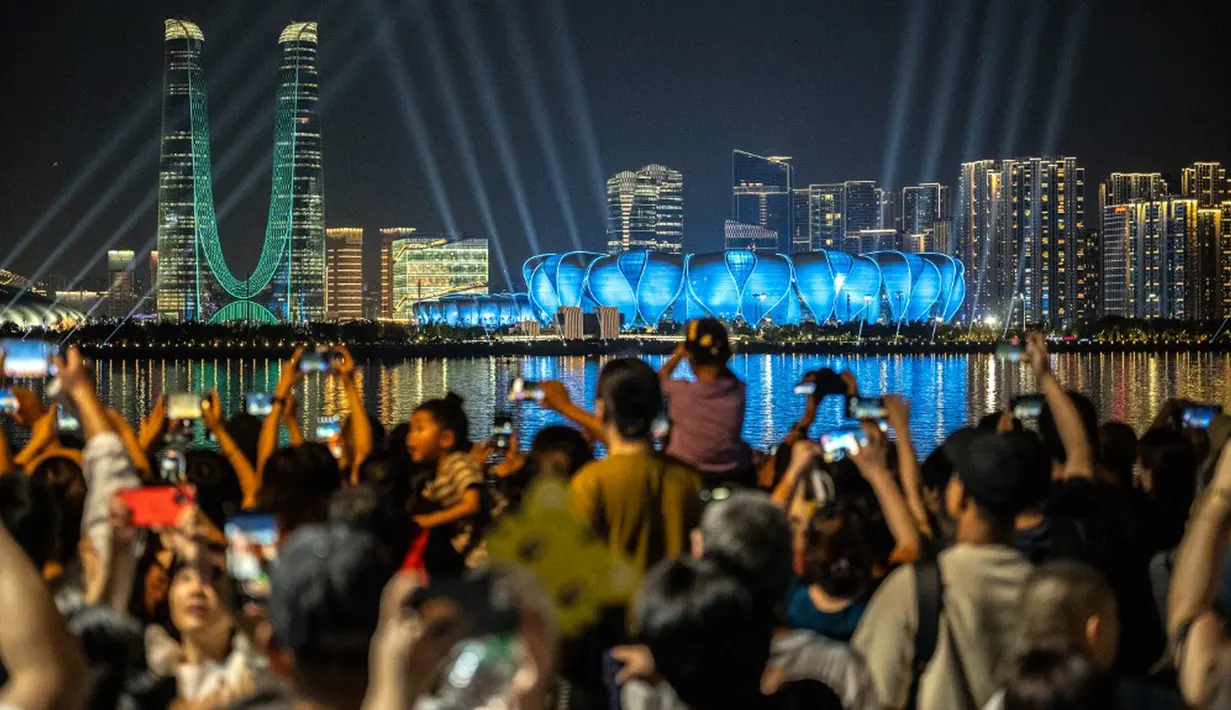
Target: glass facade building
pixel 861 211
pixel 194 281
pixel 923 206
pixel 121 284
pixel 645 210
pixel 761 194
pixel 650 287
pixel 426 268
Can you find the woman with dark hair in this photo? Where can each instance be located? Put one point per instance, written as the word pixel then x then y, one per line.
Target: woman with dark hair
pixel 1058 680
pixel 838 573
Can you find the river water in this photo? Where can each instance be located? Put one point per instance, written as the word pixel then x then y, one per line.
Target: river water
pixel 945 391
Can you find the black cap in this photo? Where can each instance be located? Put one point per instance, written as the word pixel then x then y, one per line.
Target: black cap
pixel 997 470
pixel 706 339
pixel 324 601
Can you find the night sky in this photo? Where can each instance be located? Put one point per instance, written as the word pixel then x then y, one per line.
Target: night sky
pixel 1121 85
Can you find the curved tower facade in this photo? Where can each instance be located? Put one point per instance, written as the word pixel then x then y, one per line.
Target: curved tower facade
pixel 194 281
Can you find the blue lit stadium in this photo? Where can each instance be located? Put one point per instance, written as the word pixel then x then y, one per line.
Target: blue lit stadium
pixel 647 287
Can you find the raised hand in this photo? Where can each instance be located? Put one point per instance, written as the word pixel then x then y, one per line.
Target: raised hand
pixel 873 458
pixel 1036 350
pixel 344 364
pixel 211 412
pixel 897 411
pixel 555 396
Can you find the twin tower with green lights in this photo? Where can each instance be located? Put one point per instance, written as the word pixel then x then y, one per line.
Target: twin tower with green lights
pixel 194 282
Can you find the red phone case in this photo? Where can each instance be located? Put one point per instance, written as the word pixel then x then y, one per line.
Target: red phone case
pixel 157 506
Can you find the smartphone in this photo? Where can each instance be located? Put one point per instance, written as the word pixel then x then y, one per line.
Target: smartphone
pixel 502 430
pixel 329 433
pixel 660 429
pixel 8 402
pixel 28 358
pixel 319 360
pixel 66 422
pixel 523 390
pixel 1012 352
pixel 865 408
pixel 1199 416
pixel 259 404
pixel 157 506
pixel 252 546
pixel 172 465
pixel 183 406
pixel 1027 406
pixel 805 388
pixel 840 443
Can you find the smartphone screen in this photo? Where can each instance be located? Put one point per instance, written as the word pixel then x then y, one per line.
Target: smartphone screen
pixel 1028 406
pixel 66 422
pixel 841 443
pixel 865 408
pixel 28 358
pixel 259 404
pixel 157 506
pixel 805 388
pixel 1012 352
pixel 252 546
pixel 329 433
pixel 184 405
pixel 8 402
pixel 525 389
pixel 502 430
pixel 1199 416
pixel 314 362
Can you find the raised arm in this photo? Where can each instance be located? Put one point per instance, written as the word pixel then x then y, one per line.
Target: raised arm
pixel 677 356
pixel 803 455
pixel 136 454
pixel 555 398
pixel 1078 456
pixel 268 441
pixel 361 443
pixel 873 463
pixel 42 436
pixel 249 481
pixel 153 427
pixel 897 410
pixel 1194 579
pixel 290 420
pixel 46 669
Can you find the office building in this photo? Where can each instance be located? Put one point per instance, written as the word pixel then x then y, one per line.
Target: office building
pixel 388 236
pixel 344 273
pixel 761 194
pixel 645 210
pixel 861 211
pixel 121 288
pixel 887 216
pixel 750 237
pixel 924 207
pixel 817 218
pixel 1145 259
pixel 425 268
pixel 194 281
pixel 1206 183
pixel 1203 266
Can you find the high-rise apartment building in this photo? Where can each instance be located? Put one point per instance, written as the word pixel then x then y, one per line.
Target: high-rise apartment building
pixel 1145 259
pixel 761 193
pixel 121 287
pixel 153 269
pixel 645 210
pixel 886 209
pixel 344 273
pixel 1206 183
pixel 1020 227
pixel 861 211
pixel 425 268
pixel 388 236
pixel 1122 188
pixel 817 218
pixel 923 207
pixel 194 281
pixel 1203 266
pixel 1224 260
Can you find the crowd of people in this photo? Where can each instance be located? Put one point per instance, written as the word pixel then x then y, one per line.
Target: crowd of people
pixel 1049 562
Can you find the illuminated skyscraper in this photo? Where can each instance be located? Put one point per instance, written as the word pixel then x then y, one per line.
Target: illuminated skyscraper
pixel 761 193
pixel 923 206
pixel 121 289
pixel 426 268
pixel 1203 266
pixel 861 212
pixel 974 216
pixel 344 273
pixel 194 281
pixel 817 218
pixel 1206 183
pixel 1145 260
pixel 387 237
pixel 645 210
pixel 1122 188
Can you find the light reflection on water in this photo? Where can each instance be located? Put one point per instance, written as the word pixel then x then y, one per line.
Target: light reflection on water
pixel 946 391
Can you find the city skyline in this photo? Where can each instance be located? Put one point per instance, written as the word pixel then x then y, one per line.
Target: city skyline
pixel 833 101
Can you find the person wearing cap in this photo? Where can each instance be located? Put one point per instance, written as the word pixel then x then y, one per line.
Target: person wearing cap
pixel 324 608
pixel 981 576
pixel 707 415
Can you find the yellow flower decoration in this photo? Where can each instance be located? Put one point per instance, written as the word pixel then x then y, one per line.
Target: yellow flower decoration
pixel 546 538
